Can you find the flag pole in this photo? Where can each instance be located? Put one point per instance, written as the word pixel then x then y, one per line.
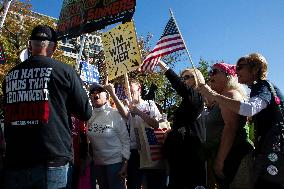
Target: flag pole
pixel 127 87
pixel 189 56
pixel 7 6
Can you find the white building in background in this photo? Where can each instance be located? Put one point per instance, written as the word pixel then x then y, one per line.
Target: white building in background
pixel 92 46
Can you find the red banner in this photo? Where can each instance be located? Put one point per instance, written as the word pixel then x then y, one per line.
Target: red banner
pixel 85 16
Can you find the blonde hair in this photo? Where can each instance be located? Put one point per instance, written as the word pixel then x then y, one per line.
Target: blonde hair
pixel 257 62
pixel 198 77
pixel 233 84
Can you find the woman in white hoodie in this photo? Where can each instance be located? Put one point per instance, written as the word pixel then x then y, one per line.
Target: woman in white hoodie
pixel 109 140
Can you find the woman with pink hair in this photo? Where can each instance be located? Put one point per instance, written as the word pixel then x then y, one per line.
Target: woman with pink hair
pixel 226 136
pixel 264 106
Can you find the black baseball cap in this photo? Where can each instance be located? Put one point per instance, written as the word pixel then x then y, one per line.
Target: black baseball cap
pixel 44 32
pixel 96 87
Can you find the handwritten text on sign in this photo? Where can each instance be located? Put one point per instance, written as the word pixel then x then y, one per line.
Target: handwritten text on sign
pixel 121 50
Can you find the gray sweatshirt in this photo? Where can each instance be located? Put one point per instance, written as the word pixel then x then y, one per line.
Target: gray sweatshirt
pixel 108 136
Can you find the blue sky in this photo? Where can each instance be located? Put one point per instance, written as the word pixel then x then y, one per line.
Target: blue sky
pixel 213 29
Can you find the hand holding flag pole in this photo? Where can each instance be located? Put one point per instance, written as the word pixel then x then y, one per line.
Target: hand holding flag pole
pixel 189 56
pixel 170 41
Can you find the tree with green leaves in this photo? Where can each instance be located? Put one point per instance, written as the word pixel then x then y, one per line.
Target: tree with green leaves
pixel 165 96
pixel 21 20
pixel 16 31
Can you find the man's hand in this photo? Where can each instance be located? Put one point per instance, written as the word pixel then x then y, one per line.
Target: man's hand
pixel 123 172
pixel 133 109
pixel 163 66
pixel 110 88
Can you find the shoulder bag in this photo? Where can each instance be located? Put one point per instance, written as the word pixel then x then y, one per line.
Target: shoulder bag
pixel 269 160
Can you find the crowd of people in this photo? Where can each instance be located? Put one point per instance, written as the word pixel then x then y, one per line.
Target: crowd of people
pixel 58 134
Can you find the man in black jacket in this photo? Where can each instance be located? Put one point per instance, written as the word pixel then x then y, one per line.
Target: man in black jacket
pixel 40 95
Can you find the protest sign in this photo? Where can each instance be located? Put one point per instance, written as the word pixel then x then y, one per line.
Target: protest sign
pixel 84 16
pixel 121 50
pixel 89 73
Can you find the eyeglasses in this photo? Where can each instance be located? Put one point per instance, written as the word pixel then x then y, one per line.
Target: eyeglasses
pixel 186 77
pixel 214 72
pixel 240 66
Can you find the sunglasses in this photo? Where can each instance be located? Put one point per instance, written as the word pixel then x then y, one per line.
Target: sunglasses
pixel 240 66
pixel 186 77
pixel 214 72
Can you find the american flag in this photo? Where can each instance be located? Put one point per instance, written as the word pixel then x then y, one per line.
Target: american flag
pixel 155 139
pixel 169 42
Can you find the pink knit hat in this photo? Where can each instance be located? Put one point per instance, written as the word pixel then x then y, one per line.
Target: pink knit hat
pixel 226 68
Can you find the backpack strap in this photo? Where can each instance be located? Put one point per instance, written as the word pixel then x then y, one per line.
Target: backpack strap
pixel 277 103
pixel 279 114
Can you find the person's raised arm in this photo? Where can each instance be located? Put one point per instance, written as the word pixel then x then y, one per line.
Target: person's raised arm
pixel 120 107
pixel 174 79
pixel 232 104
pixel 151 121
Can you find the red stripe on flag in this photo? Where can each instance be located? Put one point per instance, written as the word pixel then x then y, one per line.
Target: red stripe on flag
pixel 166 47
pixel 171 41
pixel 168 52
pixel 146 65
pixel 162 40
pixel 155 151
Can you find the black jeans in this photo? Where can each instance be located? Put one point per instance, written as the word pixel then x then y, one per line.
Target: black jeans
pixel 155 178
pixel 134 174
pixel 264 184
pixel 232 163
pixel 186 169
